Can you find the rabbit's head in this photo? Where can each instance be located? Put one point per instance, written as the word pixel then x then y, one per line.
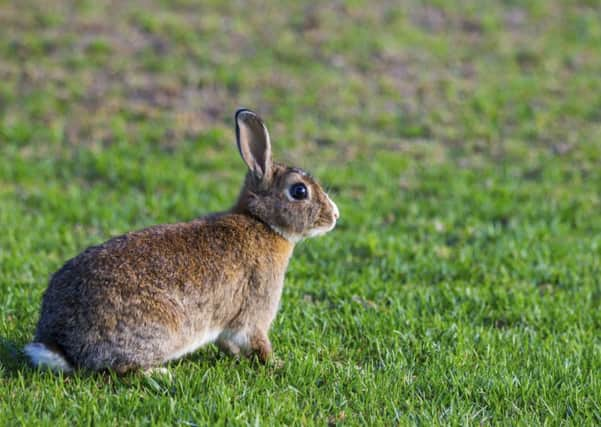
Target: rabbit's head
pixel 287 199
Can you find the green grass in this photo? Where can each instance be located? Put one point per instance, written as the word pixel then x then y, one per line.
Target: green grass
pixel 461 141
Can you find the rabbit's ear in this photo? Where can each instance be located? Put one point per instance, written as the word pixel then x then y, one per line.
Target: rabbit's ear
pixel 254 143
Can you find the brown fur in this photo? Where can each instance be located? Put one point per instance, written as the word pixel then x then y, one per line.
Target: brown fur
pixel 146 297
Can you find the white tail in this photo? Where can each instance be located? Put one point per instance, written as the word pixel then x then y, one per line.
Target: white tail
pixel 43 357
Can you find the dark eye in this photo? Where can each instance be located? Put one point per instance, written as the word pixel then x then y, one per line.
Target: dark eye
pixel 299 191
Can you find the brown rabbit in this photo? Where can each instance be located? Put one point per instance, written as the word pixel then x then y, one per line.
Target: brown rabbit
pixel 150 296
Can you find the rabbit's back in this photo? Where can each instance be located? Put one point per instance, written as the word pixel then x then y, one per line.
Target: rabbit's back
pixel 144 297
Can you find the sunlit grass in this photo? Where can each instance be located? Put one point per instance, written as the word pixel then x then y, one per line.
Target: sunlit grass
pixel 462 144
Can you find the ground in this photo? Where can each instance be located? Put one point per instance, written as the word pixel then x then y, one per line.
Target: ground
pixel 461 141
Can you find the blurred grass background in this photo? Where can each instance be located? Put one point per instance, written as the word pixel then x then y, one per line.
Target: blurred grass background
pixel 462 142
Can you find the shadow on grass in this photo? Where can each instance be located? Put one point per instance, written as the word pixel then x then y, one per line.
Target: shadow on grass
pixel 14 363
pixel 12 358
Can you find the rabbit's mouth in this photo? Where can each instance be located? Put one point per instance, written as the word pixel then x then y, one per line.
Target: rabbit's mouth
pixel 323 229
pixel 320 231
pixel 313 232
pixel 325 222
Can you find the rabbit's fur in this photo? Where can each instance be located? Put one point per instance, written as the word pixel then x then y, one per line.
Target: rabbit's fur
pixel 150 296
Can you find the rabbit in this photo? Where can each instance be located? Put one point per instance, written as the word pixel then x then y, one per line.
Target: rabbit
pixel 147 297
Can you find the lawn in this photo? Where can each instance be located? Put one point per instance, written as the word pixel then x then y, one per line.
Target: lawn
pixel 461 141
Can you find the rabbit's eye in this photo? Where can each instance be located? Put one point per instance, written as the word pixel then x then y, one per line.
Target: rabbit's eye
pixel 298 191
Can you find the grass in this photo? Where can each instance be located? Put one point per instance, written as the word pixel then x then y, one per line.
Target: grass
pixel 461 142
